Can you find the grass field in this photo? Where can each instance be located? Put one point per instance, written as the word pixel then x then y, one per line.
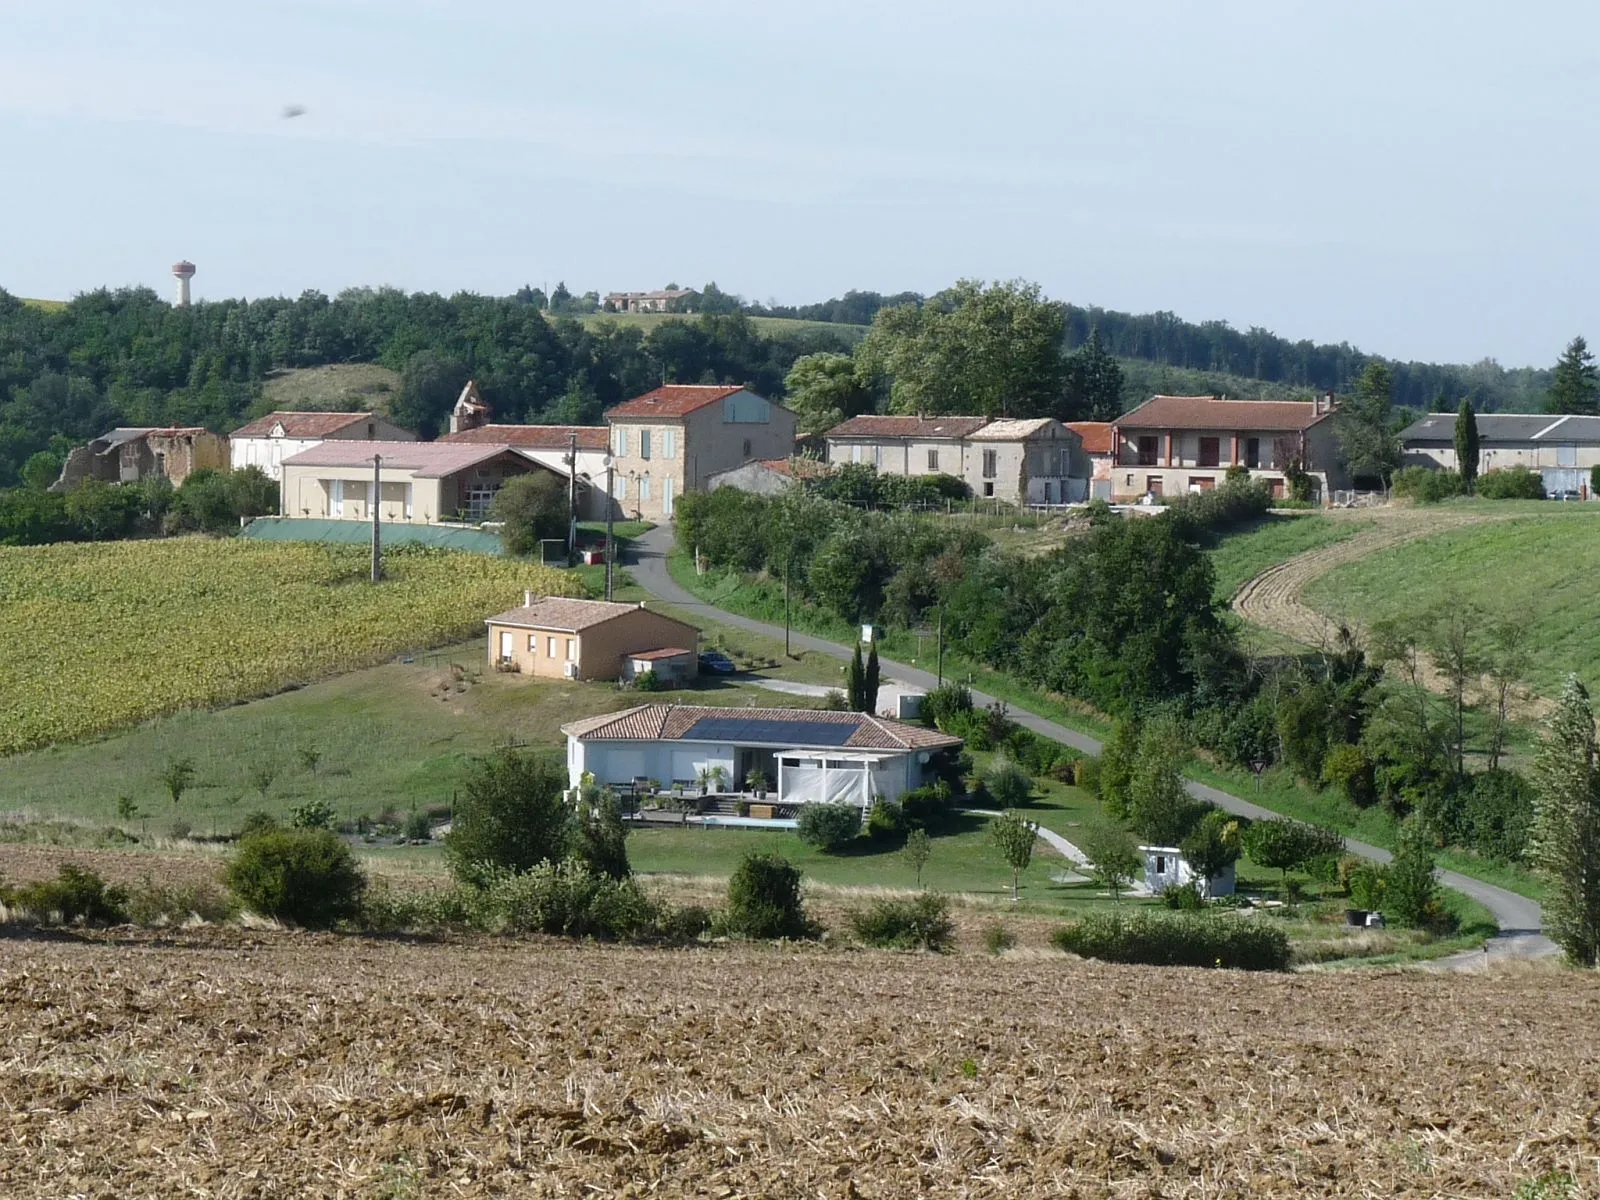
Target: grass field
pixel 101 636
pixel 47 305
pixel 1240 556
pixel 845 335
pixel 1537 570
pixel 240 1063
pixel 337 387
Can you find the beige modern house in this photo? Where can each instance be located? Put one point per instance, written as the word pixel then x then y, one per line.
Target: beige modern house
pixel 423 482
pixel 129 454
pixel 1173 445
pixel 1563 449
pixel 560 638
pixel 267 441
pixel 1021 461
pixel 673 439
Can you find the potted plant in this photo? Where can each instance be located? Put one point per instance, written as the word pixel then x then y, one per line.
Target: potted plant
pixel 756 781
pixel 743 808
pixel 719 777
pixel 703 778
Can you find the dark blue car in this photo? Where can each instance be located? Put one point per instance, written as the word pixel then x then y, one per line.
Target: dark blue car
pixel 717 663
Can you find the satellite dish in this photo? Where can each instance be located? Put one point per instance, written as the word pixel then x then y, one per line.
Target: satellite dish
pixel 291 111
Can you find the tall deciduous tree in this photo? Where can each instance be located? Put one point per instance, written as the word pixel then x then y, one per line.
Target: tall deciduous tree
pixel 531 507
pixel 1576 385
pixel 1013 837
pixel 1365 426
pixel 1565 842
pixel 511 815
pixel 824 389
pixel 1467 445
pixel 990 351
pixel 1451 635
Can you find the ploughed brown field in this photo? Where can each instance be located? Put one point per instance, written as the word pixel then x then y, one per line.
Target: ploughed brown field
pixel 227 1062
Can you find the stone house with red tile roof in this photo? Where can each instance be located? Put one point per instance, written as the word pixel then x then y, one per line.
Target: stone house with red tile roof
pixel 673 439
pixel 1173 445
pixel 1099 448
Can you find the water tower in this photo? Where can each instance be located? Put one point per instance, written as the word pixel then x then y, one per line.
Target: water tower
pixel 182 272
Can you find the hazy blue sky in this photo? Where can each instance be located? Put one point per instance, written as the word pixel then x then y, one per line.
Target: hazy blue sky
pixel 1415 177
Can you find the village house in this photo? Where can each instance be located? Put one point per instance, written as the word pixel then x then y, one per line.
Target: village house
pixel 267 441
pixel 1173 445
pixel 423 482
pixel 129 454
pixel 1098 445
pixel 661 300
pixel 560 638
pixel 1563 449
pixel 1035 460
pixel 1021 461
pixel 805 756
pixel 673 439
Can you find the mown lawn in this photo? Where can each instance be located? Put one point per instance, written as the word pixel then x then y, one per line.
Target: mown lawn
pixel 1537 570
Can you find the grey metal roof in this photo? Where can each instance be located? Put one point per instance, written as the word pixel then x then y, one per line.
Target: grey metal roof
pixel 1506 428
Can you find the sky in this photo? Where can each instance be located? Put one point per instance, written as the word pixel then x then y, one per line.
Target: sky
pixel 1418 179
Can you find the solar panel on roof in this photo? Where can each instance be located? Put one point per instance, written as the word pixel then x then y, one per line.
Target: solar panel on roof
pixel 794 732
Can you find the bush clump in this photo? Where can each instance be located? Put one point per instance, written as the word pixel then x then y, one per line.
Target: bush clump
pixel 921 923
pixel 1428 485
pixel 75 895
pixel 997 939
pixel 158 904
pixel 764 900
pixel 886 821
pixel 829 827
pixel 305 876
pixel 566 899
pixel 1511 483
pixel 1177 940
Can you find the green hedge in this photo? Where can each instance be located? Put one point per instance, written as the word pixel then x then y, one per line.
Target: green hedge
pixel 1177 940
pixel 921 923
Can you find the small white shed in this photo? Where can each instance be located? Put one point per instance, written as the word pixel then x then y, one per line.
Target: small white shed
pixel 1166 867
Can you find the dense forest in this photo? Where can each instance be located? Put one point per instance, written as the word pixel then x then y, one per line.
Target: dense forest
pixel 127 357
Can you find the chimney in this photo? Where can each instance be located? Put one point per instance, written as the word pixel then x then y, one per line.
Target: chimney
pixel 527 599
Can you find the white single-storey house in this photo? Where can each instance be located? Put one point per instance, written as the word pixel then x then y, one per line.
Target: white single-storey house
pixel 1166 867
pixel 807 756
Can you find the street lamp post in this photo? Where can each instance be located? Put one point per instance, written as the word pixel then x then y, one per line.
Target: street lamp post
pixel 611 504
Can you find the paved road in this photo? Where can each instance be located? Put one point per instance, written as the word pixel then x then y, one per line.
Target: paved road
pixel 1518 917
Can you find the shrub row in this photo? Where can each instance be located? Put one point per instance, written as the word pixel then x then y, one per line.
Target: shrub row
pixel 78 895
pixel 1176 940
pixel 920 923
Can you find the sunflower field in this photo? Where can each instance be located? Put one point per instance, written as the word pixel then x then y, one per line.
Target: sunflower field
pixel 99 636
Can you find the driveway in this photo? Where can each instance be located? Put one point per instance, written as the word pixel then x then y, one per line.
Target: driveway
pixel 1518 917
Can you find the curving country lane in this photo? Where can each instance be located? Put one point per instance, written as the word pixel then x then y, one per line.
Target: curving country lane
pixel 1519 918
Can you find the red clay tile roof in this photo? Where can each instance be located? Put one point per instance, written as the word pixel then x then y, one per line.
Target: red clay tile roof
pixel 1095 435
pixel 669 722
pixel 1207 412
pixel 430 460
pixel 568 615
pixel 302 424
pixel 673 400
pixel 798 467
pixel 907 427
pixel 535 437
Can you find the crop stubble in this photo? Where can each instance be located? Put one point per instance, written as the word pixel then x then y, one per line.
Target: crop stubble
pixel 217 1062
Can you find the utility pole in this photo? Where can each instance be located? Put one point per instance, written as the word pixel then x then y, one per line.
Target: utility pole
pixel 789 558
pixel 572 498
pixel 940 654
pixel 611 542
pixel 377 549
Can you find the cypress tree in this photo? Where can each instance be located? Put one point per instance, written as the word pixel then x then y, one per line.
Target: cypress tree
pixel 1467 445
pixel 855 679
pixel 1564 845
pixel 869 684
